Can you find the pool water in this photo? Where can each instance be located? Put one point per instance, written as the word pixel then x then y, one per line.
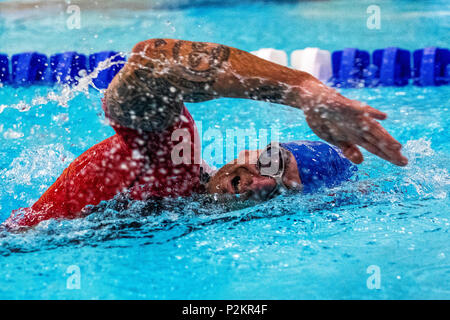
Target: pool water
pixel 293 247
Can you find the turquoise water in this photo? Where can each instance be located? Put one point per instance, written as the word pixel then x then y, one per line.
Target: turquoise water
pixel 292 247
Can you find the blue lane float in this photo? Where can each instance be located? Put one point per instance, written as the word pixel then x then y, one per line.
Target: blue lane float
pixel 431 66
pixel 349 67
pixel 4 68
pixel 392 67
pixel 105 76
pixel 28 68
pixel 65 68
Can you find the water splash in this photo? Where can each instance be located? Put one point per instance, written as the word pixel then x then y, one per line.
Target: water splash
pixel 426 173
pixel 37 163
pixel 66 93
pixel 159 221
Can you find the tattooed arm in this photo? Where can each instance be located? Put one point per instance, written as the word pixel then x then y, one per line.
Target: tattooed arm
pixel 161 74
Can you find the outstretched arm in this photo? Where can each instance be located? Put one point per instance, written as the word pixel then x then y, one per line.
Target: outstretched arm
pixel 161 74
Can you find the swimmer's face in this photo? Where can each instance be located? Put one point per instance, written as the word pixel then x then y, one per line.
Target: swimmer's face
pixel 241 176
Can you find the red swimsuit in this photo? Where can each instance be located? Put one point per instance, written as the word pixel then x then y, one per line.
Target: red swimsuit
pixel 140 162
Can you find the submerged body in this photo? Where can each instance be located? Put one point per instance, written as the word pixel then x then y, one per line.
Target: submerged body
pixel 144 104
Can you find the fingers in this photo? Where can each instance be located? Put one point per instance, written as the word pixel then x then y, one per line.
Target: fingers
pixel 382 140
pixel 374 113
pixel 393 156
pixel 351 152
pixel 376 134
pixel 375 139
pixel 379 152
pixel 374 144
pixel 360 128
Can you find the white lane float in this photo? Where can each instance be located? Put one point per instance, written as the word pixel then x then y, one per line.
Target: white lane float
pixel 273 55
pixel 314 61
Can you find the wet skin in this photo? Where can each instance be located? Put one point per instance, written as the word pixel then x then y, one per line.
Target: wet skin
pixel 241 176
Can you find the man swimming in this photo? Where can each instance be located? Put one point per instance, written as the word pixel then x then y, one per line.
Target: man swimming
pixel 145 105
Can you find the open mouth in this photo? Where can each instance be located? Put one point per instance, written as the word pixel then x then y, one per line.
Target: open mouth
pixel 236 184
pixel 235 187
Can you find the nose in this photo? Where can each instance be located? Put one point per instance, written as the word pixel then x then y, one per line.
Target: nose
pixel 261 185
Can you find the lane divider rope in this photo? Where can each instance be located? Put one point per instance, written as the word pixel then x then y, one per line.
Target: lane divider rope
pixel 347 68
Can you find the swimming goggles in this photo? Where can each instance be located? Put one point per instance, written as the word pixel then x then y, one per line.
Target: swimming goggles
pixel 272 163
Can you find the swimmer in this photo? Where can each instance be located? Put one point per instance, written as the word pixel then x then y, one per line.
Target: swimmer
pixel 144 104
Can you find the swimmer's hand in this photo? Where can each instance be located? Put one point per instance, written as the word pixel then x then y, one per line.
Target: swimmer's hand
pixel 348 124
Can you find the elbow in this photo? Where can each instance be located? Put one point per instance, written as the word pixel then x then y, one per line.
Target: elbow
pixel 134 105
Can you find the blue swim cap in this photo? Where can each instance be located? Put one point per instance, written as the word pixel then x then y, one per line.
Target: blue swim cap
pixel 319 164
